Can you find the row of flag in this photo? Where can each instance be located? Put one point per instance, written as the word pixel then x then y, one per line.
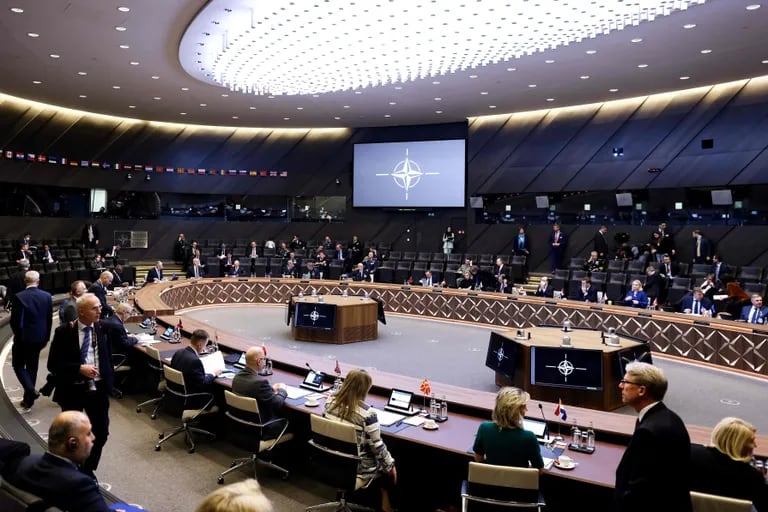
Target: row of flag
pixel 93 164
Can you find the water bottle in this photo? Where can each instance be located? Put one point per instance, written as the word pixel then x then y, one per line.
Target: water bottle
pixel 575 435
pixel 301 295
pixel 433 409
pixel 444 409
pixel 344 293
pixel 590 437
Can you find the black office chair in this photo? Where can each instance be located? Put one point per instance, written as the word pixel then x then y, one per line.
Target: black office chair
pixel 155 365
pixel 13 499
pixel 334 459
pixel 501 487
pixel 246 432
pixel 188 406
pixel 121 371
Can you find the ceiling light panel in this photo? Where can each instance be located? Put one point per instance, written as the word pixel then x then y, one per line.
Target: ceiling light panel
pixel 310 47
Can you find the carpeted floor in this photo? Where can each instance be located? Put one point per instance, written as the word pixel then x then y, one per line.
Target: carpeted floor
pixel 173 480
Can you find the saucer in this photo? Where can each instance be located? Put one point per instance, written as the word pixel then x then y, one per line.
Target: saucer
pixel 311 404
pixel 427 427
pixel 565 465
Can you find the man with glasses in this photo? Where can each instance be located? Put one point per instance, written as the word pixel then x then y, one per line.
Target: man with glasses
pixel 81 361
pixel 249 383
pixel 653 472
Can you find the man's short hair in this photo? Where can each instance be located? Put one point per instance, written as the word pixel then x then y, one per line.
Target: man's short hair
pixel 31 277
pixel 123 307
pixel 24 263
pixel 62 429
pixel 650 376
pixel 199 335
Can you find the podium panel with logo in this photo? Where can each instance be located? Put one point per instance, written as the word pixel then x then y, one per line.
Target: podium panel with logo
pixel 333 319
pixel 585 374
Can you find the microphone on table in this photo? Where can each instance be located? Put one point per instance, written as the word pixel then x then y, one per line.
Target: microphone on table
pixel 310 368
pixel 550 439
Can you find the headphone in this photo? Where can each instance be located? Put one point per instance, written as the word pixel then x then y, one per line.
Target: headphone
pixel 72 443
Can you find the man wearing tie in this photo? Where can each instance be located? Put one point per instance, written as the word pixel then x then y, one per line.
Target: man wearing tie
pixel 557 247
pixel 601 243
pixel 117 278
pixel 427 279
pixel 359 274
pixel 99 289
pixel 701 248
pixel 719 269
pixel 48 256
pixel 195 270
pixel 81 359
pixel 756 313
pixel 253 253
pixel 155 274
pixel 697 304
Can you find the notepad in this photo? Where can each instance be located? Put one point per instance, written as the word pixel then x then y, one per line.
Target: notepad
pixel 294 392
pixel 213 362
pixel 386 418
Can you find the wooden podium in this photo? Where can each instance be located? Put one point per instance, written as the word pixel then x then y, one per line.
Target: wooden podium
pixel 605 398
pixel 355 319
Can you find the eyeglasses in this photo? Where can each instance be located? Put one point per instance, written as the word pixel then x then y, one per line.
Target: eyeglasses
pixel 625 382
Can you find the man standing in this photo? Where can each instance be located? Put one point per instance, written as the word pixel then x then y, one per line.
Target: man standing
pixel 180 250
pixel 653 472
pixel 557 247
pixel 99 289
pixel 81 361
pixel 31 322
pixel 249 383
pixel 90 235
pixel 701 248
pixel 54 476
pixel 666 242
pixel 601 243
pixel 16 282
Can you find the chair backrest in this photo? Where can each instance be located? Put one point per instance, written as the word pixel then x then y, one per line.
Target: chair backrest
pixel 174 377
pixel 703 502
pixel 13 499
pixel 335 452
pixel 156 362
pixel 503 484
pixel 245 424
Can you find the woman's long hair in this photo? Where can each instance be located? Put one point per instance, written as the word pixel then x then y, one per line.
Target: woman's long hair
pixel 353 391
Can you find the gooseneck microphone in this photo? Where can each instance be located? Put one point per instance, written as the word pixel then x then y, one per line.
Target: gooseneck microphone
pixel 310 368
pixel 546 428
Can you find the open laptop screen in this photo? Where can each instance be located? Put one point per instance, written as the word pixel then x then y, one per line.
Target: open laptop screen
pixel 314 379
pixel 400 399
pixel 536 426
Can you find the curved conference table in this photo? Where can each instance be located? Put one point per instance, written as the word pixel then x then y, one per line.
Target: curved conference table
pixel 725 344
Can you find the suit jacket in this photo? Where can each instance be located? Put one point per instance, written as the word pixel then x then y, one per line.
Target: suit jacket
pixel 525 249
pixel 117 280
pixel 746 311
pixel 15 285
pixel 639 296
pixel 191 271
pixel 601 244
pixel 59 483
pixel 590 296
pixel 360 276
pixel 560 249
pixel 188 362
pixel 704 249
pixel 654 471
pixel 154 275
pixel 95 231
pixel 714 472
pixel 249 383
pixel 11 454
pixel 64 362
pixel 99 291
pixel 31 316
pixel 724 269
pixel 674 270
pixel 653 285
pixel 119 340
pixel 687 303
pixel 548 292
pixel 232 272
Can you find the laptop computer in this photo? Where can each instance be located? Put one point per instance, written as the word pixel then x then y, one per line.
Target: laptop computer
pixel 538 427
pixel 400 402
pixel 314 381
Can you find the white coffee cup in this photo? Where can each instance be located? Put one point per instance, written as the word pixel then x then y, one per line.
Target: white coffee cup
pixel 430 424
pixel 311 402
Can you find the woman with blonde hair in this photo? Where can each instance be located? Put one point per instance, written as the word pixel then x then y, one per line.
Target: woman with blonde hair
pixel 724 469
pixel 245 496
pixel 348 405
pixel 503 441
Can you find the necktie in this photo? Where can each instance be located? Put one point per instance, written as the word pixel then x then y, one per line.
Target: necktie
pixel 695 307
pixel 86 344
pixel 698 247
pixel 197 273
pixel 753 319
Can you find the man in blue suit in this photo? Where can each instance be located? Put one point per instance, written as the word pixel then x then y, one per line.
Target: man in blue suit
pixel 756 313
pixel 54 476
pixel 697 304
pixel 81 361
pixel 99 289
pixel 187 361
pixel 557 247
pixel 31 322
pixel 155 274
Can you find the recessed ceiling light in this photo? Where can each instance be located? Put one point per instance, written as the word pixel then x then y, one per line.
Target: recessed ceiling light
pixel 532 86
pixel 336 117
pixel 387 115
pixel 550 99
pixel 438 111
pixel 223 95
pixel 286 119
pixel 484 93
pixel 235 117
pixel 346 106
pixel 358 92
pixel 393 103
pixel 685 78
pixel 549 61
pixel 584 77
pixel 398 87
pixel 591 52
pixel 472 76
pixel 642 66
pixel 315 95
pixel 82 96
pixel 124 9
pixel 115 86
pixel 706 50
pixel 120 29
pixel 156 98
pixel 689 25
pixel 491 106
pixel 125 46
pixel 636 40
pixel 511 69
pixel 765 61
pixel 131 106
pixel 299 108
pixel 438 99
pixel 17 10
pixel 613 90
pixel 251 108
pixel 753 7
pixel 185 88
pixel 82 73
pixel 155 77
pixel 33 34
pixel 270 97
pixel 203 104
pixel 55 56
pixel 134 63
pixel 436 82
pixel 182 113
pixel 36 82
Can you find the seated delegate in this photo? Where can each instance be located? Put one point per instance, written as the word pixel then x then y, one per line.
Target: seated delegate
pixel 503 441
pixel 636 297
pixel 723 467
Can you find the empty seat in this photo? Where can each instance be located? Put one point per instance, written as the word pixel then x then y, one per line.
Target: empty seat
pixel 437 256
pixel 758 288
pixel 635 266
pixel 486 259
pixel 424 256
pixel 616 266
pixel 402 271
pixel 576 263
pixel 408 256
pixel 700 270
pixel 750 274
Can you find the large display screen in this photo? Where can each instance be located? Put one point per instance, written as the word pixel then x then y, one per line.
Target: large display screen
pixel 502 354
pixel 314 315
pixel 567 368
pixel 417 174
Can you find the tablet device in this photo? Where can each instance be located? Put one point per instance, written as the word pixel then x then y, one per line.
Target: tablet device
pixel 168 334
pixel 314 381
pixel 400 402
pixel 538 427
pixel 145 323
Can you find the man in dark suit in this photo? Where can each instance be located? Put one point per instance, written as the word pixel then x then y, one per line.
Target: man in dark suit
pixel 81 361
pixel 25 253
pixel 236 270
pixel 187 361
pixel 701 248
pixel 520 244
pixel 666 242
pixel 16 282
pixel 249 383
pixel 697 304
pixel 119 340
pixel 600 243
pixel 31 322
pixel 118 279
pixel 360 274
pixel 654 284
pixel 587 292
pixel 719 269
pixel 557 243
pixel 46 255
pixel 155 274
pixel 544 289
pixel 90 235
pixel 99 289
pixel 195 270
pixel 756 313
pixel 54 476
pixel 180 249
pixel 653 472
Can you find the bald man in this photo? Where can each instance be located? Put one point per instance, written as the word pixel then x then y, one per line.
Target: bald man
pixel 99 289
pixel 249 383
pixel 54 476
